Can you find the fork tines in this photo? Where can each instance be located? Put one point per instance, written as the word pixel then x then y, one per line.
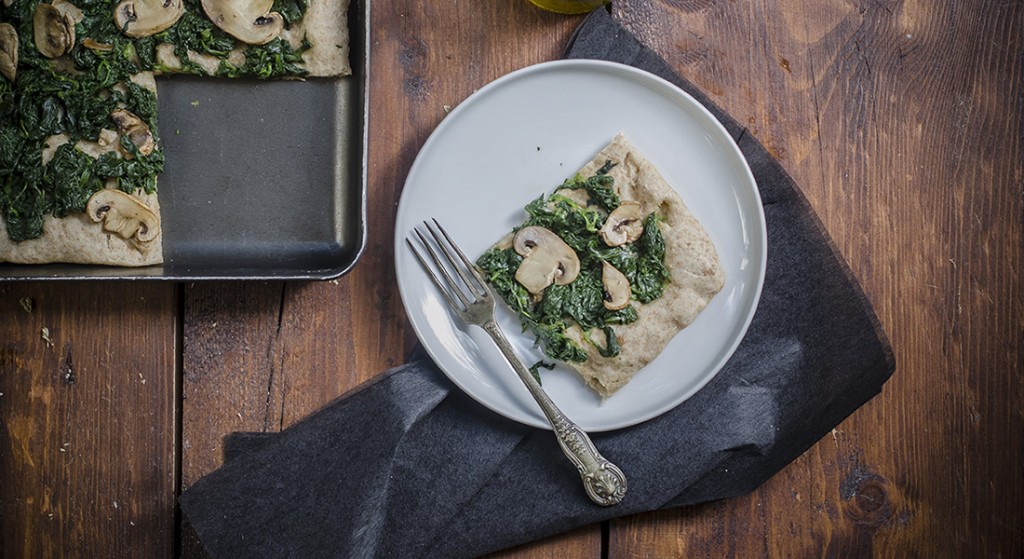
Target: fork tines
pixel 472 285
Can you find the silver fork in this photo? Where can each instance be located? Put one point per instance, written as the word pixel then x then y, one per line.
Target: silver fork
pixel 472 301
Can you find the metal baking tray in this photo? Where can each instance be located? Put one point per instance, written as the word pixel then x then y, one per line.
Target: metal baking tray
pixel 263 179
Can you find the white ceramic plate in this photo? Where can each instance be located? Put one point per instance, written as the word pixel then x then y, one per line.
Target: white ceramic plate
pixel 521 136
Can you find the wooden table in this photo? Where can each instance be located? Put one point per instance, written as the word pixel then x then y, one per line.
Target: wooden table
pixel 902 123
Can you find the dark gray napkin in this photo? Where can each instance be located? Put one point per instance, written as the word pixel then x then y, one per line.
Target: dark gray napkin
pixel 408 466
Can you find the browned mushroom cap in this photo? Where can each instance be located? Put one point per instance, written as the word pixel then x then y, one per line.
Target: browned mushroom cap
pixel 142 18
pixel 616 287
pixel 546 259
pixel 249 21
pixel 97 46
pixel 124 215
pixel 137 131
pixel 8 51
pixel 67 8
pixel 53 31
pixel 624 225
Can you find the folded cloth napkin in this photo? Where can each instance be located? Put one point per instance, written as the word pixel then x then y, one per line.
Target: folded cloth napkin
pixel 408 466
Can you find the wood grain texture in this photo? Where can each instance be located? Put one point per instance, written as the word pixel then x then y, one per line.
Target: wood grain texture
pixel 901 122
pixel 87 419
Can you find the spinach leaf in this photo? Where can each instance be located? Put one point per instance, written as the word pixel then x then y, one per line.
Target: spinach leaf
pixel 72 180
pixel 195 32
pixel 274 59
pixel 24 213
pixel 139 172
pixel 576 225
pixel 582 300
pixel 499 267
pixel 600 188
pixel 291 10
pixel 555 343
pixel 624 315
pixel 651 276
pixel 535 370
pixel 611 348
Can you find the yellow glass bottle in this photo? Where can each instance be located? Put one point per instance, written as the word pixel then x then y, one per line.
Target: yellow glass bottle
pixel 569 6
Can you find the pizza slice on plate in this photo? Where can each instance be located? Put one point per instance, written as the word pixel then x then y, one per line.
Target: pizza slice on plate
pixel 608 268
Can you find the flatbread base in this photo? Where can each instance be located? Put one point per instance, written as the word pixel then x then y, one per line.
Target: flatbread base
pixel 326 27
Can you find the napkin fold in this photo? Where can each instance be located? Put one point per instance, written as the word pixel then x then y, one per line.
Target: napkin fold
pixel 408 466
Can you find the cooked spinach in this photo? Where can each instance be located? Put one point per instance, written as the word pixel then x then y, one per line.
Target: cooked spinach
pixel 274 59
pixel 600 188
pixel 26 211
pixel 535 369
pixel 195 32
pixel 580 302
pixel 651 276
pixel 72 180
pixel 500 267
pixel 553 340
pixel 291 10
pixel 611 345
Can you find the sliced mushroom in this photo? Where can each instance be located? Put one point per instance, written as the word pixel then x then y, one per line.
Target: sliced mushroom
pixel 142 18
pixel 54 31
pixel 546 259
pixel 97 46
pixel 8 51
pixel 124 215
pixel 67 8
pixel 137 131
pixel 616 287
pixel 537 272
pixel 249 21
pixel 624 225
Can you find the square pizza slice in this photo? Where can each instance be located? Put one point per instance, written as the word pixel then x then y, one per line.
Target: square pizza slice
pixel 608 268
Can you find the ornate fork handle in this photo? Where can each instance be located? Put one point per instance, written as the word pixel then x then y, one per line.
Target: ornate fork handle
pixel 604 482
pixel 472 301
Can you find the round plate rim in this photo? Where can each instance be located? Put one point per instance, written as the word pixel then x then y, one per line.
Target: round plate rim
pixel 601 66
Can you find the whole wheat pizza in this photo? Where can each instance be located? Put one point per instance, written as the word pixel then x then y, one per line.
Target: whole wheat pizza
pixel 607 269
pixel 79 141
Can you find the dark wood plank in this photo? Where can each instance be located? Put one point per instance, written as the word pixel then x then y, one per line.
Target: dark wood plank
pixel 259 357
pixel 901 122
pixel 87 420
